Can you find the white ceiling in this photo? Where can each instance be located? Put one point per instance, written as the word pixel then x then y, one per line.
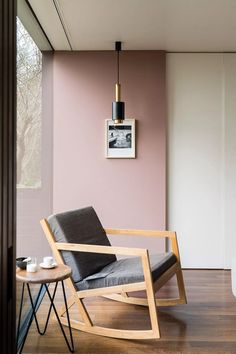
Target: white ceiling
pixel 171 25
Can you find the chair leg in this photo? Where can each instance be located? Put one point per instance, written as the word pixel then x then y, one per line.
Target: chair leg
pixel 70 303
pixel 79 302
pixel 153 313
pixel 83 311
pixel 150 296
pixel 181 287
pixel 74 299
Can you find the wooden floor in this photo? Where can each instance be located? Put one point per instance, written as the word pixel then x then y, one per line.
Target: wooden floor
pixel 207 324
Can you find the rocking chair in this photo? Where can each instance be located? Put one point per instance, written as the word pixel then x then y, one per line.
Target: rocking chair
pixel 78 239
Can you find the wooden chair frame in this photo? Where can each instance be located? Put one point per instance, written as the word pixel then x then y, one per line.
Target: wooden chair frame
pixel 119 292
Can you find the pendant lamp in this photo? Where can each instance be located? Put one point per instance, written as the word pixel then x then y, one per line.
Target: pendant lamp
pixel 118 107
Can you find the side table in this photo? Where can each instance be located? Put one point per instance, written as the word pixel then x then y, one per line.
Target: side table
pixel 44 277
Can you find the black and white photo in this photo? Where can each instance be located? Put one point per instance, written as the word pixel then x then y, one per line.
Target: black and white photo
pixel 120 139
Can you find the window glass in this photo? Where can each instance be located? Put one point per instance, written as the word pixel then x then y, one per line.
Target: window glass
pixel 29 109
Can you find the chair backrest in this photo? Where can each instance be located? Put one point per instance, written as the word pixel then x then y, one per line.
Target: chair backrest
pixel 81 226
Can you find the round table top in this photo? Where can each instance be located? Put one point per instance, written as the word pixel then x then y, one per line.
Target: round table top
pixel 43 276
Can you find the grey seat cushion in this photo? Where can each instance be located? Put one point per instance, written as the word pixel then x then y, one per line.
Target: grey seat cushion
pixel 128 270
pixel 81 226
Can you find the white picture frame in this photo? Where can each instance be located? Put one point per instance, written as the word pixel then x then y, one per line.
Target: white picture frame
pixel 120 139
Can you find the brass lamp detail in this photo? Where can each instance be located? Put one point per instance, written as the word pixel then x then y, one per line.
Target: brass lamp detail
pixel 118 107
pixel 118 92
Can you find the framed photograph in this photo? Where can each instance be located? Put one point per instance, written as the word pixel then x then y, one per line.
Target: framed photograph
pixel 120 139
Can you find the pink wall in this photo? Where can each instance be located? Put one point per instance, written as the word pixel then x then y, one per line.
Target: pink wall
pixel 126 193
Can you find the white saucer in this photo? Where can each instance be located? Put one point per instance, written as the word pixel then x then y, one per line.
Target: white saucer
pixel 53 265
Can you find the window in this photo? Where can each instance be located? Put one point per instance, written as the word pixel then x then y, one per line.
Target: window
pixel 29 110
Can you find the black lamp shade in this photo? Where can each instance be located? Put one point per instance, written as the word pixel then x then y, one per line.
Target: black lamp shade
pixel 118 110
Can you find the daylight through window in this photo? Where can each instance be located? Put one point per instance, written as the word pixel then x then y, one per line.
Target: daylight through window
pixel 29 109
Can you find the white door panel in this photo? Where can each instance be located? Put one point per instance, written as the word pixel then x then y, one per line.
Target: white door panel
pixel 195 144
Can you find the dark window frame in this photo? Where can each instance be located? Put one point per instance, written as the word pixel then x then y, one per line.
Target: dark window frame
pixel 7 175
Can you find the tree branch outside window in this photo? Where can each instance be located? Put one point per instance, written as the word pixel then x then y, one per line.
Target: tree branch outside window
pixel 29 109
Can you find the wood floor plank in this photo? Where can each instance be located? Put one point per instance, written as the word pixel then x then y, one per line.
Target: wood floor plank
pixel 207 324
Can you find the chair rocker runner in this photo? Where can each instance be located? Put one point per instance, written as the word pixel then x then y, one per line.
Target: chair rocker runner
pixel 78 240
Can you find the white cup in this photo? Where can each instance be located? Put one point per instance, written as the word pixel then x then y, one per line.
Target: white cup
pixel 48 261
pixel 31 265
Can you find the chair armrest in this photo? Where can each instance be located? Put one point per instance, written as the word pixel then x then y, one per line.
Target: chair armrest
pixel 77 247
pixel 146 233
pixel 149 233
pixel 141 252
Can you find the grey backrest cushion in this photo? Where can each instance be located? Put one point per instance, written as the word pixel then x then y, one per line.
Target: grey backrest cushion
pixel 81 226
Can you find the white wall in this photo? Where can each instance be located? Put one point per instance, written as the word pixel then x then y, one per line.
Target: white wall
pixel 230 158
pixel 201 167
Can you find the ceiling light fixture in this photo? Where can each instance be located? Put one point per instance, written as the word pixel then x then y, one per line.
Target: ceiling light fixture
pixel 118 107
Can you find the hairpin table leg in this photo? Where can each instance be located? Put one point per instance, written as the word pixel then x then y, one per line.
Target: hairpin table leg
pixel 70 347
pixel 33 315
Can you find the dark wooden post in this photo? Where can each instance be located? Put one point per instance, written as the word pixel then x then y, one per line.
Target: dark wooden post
pixel 7 174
